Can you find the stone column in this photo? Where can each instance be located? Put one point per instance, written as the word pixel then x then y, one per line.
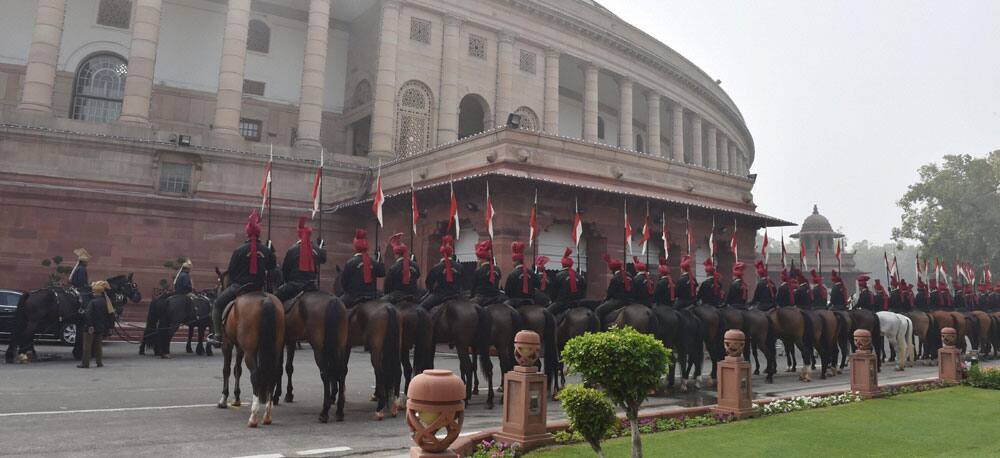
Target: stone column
pixel 384 105
pixel 43 55
pixel 313 75
pixel 696 155
pixel 551 122
pixel 505 67
pixel 448 108
pixel 678 133
pixel 735 159
pixel 723 153
pixel 713 148
pixel 141 62
pixel 229 101
pixel 625 139
pixel 653 130
pixel 590 72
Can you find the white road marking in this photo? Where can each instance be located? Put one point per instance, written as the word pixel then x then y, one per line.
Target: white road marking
pixel 269 455
pixel 121 409
pixel 317 451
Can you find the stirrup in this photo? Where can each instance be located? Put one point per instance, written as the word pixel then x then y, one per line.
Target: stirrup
pixel 214 340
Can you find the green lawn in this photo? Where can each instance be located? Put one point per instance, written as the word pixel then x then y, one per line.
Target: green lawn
pixel 951 422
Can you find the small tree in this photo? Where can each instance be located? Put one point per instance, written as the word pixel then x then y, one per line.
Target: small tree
pixel 590 413
pixel 57 277
pixel 625 363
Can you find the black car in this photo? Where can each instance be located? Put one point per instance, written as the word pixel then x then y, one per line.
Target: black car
pixel 59 332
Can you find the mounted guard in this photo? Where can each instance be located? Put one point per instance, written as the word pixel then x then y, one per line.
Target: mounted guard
pixel 619 290
pixel 247 272
pixel 738 292
pixel 665 293
pixel 710 290
pixel 486 279
pixel 521 281
pixel 300 265
pixel 401 278
pixel 687 285
pixel 444 280
pixel 78 277
pixel 865 299
pixel 785 295
pixel 764 292
pixel 643 286
pixel 838 292
pixel 568 288
pixel 360 273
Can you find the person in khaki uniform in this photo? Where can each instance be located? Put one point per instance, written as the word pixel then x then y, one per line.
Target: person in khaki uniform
pixel 97 315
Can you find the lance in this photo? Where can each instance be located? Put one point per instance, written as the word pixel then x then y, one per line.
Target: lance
pixel 322 153
pixel 378 224
pixel 648 230
pixel 270 188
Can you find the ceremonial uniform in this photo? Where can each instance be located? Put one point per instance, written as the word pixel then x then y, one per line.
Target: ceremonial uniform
pixel 958 300
pixel 838 293
pixel 521 281
pixel 785 295
pixel 710 290
pixel 865 299
pixel 922 300
pixel 687 285
pixel 358 279
pixel 643 287
pixel 665 293
pixel 881 298
pixel 541 294
pixel 486 278
pixel 401 278
pixel 444 279
pixel 98 314
pixel 738 292
pixel 819 292
pixel 619 290
pixel 568 287
pixel 802 291
pixel 247 271
pixel 764 292
pixel 299 266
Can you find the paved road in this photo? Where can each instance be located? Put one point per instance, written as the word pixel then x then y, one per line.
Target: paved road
pixel 143 406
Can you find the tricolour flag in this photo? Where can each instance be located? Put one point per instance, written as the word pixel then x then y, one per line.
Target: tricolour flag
pixel 763 246
pixel 533 221
pixel 489 211
pixel 379 198
pixel 453 212
pixel 645 232
pixel 577 225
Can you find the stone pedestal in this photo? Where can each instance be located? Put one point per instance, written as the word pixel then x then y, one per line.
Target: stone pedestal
pixel 417 452
pixel 864 366
pixel 735 388
pixel 524 408
pixel 949 357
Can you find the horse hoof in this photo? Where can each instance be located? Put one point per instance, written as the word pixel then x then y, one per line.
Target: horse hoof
pixel 288 398
pixel 379 416
pixel 769 379
pixel 324 418
pixel 339 417
pixel 373 398
pixel 899 369
pixel 222 403
pixel 252 424
pixel 188 350
pixel 475 391
pixel 267 421
pixel 236 403
pixel 394 410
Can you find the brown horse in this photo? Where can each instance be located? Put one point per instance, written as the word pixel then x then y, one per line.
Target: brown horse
pixel 375 326
pixel 256 328
pixel 536 318
pixel 927 331
pixel 826 332
pixel 463 325
pixel 795 329
pixel 576 321
pixel 712 324
pixel 415 334
pixel 505 322
pixel 845 337
pixel 983 324
pixel 321 319
pixel 865 319
pixel 680 332
pixel 757 328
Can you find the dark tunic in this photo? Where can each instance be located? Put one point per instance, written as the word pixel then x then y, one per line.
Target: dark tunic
pixel 352 280
pixel 710 292
pixel 738 294
pixel 96 315
pixel 643 288
pixel 958 303
pixel 182 284
pixel 514 286
pixel 803 295
pixel 483 290
pixel 838 297
pixel 437 283
pixel 665 293
pixel 686 290
pixel 897 302
pixel 866 301
pixel 616 288
pixel 239 265
pixel 785 296
pixel 290 265
pixel 881 301
pixel 559 288
pixel 394 278
pixel 763 294
pixel 922 300
pixel 79 280
pixel 819 296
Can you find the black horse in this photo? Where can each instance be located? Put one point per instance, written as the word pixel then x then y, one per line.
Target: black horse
pixel 54 303
pixel 168 312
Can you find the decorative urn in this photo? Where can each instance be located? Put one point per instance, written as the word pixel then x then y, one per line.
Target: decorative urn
pixel 949 337
pixel 863 340
pixel 435 400
pixel 735 341
pixel 527 346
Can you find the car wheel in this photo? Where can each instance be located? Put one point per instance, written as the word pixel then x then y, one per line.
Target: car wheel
pixel 67 334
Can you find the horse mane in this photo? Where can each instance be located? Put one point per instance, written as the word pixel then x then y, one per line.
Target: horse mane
pixel 118 279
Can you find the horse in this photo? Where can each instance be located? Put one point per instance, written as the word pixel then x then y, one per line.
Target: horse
pixel 844 337
pixel 576 321
pixel 202 306
pixel 757 328
pixel 168 312
pixel 794 327
pixel 867 320
pixel 464 325
pixel 984 329
pixel 536 318
pixel 712 323
pixel 825 331
pixel 54 303
pixel 899 330
pixel 505 322
pixel 415 335
pixel 927 331
pixel 321 319
pixel 678 331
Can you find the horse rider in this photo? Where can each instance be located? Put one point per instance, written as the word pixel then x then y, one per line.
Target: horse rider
pixel 983 298
pixel 665 293
pixel 78 276
pixel 444 279
pixel 763 293
pixel 619 290
pixel 486 279
pixel 401 278
pixel 643 286
pixel 358 279
pixel 969 296
pixel 247 271
pixel 865 300
pixel 521 281
pixel 995 298
pixel 710 290
pixel 803 292
pixel 541 294
pixel 958 303
pixel 568 288
pixel 819 293
pixel 738 292
pixel 922 299
pixel 881 298
pixel 838 292
pixel 785 295
pixel 944 299
pixel 299 267
pixel 899 301
pixel 687 285
pixel 98 314
pixel 182 281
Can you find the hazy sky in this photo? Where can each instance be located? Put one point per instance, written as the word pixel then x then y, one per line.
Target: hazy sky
pixel 844 99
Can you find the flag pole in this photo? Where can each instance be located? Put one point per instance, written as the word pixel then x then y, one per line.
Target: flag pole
pixel 270 187
pixel 648 231
pixel 624 232
pixel 576 207
pixel 534 251
pixel 489 223
pixel 378 224
pixel 322 153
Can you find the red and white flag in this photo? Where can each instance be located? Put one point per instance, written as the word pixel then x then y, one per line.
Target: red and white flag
pixel 645 231
pixel 414 211
pixel 533 221
pixel 711 242
pixel 837 255
pixel 489 211
pixel 628 230
pixel 987 275
pixel 379 198
pixel 763 246
pixel 819 257
pixel 665 235
pixel 265 187
pixel 733 246
pixel 784 252
pixel 453 212
pixel 802 256
pixel 577 225
pixel 318 185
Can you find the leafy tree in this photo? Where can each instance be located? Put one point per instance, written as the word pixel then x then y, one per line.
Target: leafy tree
pixel 590 413
pixel 953 210
pixel 870 257
pixel 625 363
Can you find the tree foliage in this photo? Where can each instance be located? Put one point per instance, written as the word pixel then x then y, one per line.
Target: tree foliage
pixel 953 210
pixel 590 413
pixel 625 363
pixel 870 257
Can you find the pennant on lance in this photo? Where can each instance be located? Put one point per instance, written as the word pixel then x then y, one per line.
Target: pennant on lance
pixel 265 187
pixel 733 244
pixel 763 247
pixel 665 235
pixel 317 186
pixel 379 197
pixel 628 228
pixel 577 224
pixel 414 211
pixel 533 221
pixel 645 231
pixel 453 212
pixel 489 211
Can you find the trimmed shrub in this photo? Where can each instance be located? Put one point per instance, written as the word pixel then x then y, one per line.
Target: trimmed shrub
pixel 983 378
pixel 590 413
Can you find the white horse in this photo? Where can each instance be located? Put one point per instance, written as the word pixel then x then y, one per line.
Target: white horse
pixel 899 330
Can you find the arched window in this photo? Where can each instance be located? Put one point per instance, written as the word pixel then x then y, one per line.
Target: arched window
pixel 413 118
pixel 258 36
pixel 638 144
pixel 362 95
pixel 473 113
pixel 98 88
pixel 600 128
pixel 529 120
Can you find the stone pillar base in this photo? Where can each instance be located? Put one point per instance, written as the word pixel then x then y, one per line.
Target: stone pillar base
pixel 417 452
pixel 524 409
pixel 735 388
pixel 525 442
pixel 949 359
pixel 864 374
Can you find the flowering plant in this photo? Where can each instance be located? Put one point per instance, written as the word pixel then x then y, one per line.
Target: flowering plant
pixel 496 449
pixel 805 402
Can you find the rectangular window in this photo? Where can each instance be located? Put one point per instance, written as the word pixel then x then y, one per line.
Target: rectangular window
pixel 420 30
pixel 477 46
pixel 114 13
pixel 527 62
pixel 175 178
pixel 250 129
pixel 251 87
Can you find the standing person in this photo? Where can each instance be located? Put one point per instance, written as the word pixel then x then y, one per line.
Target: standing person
pixel 764 292
pixel 619 290
pixel 568 288
pixel 738 292
pixel 97 316
pixel 444 280
pixel 665 293
pixel 360 273
pixel 643 286
pixel 401 278
pixel 486 279
pixel 247 272
pixel 299 267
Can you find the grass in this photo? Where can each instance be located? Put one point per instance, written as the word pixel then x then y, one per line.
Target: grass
pixel 951 422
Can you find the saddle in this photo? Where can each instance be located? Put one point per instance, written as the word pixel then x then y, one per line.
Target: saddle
pixel 290 303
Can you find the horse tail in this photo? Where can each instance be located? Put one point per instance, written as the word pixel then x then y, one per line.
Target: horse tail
pixel 423 341
pixel 331 337
pixel 808 342
pixel 267 351
pixel 876 332
pixel 484 329
pixel 910 352
pixel 391 346
pixel 933 334
pixel 551 350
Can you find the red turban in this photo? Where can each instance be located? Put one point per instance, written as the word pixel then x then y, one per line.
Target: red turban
pixel 738 269
pixel 540 263
pixel 686 263
pixel 446 250
pixel 484 251
pixel 761 269
pixel 567 262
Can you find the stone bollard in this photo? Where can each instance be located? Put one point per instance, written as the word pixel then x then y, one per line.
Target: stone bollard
pixel 864 366
pixel 435 400
pixel 735 386
pixel 524 400
pixel 949 357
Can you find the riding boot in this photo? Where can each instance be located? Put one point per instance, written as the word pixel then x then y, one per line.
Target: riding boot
pixel 88 344
pixel 215 338
pixel 98 349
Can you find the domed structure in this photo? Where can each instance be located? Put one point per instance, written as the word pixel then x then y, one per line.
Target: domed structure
pixel 816 227
pixel 165 113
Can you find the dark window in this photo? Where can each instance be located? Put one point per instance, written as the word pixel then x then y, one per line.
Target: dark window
pixel 99 88
pixel 638 143
pixel 600 128
pixel 294 135
pixel 175 178
pixel 251 87
pixel 250 129
pixel 258 36
pixel 114 13
pixel 477 46
pixel 420 30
